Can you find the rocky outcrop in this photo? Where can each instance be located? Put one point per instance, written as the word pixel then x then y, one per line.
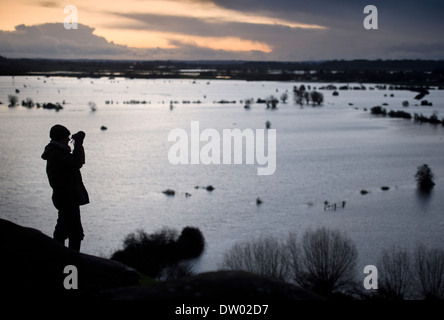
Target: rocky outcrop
pixel 216 286
pixel 32 267
pixel 32 264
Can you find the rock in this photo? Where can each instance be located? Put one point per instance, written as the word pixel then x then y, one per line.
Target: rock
pixel 33 266
pixel 215 286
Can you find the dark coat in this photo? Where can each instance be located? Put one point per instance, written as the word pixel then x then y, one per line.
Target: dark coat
pixel 63 170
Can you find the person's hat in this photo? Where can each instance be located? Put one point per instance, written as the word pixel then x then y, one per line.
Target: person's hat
pixel 59 132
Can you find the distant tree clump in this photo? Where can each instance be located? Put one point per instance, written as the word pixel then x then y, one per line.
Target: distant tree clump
pixel 272 102
pixel 301 96
pixel 164 254
pixel 424 178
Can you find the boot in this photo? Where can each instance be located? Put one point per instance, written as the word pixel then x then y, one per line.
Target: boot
pixel 59 239
pixel 74 244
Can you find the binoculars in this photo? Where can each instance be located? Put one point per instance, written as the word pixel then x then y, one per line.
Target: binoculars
pixel 79 136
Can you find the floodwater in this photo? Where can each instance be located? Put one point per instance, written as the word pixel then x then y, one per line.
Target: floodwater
pixel 327 153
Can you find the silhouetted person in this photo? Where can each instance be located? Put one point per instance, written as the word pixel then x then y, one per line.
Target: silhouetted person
pixel 65 179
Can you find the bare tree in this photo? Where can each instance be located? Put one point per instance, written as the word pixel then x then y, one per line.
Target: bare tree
pixel 429 271
pixel 263 256
pixel 325 262
pixel 394 274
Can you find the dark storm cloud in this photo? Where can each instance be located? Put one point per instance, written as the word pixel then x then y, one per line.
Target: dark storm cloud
pixel 406 12
pixel 405 27
pixel 204 27
pixel 398 18
pixel 52 40
pixel 408 29
pixel 401 28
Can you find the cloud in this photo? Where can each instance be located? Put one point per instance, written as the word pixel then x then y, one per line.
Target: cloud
pixel 48 4
pixel 204 27
pixel 52 40
pixel 413 19
pixel 256 30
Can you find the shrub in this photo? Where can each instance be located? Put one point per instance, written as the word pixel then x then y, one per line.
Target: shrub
pixel 163 253
pixel 190 243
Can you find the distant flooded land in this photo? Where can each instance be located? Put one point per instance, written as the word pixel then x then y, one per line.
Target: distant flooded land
pixel 401 72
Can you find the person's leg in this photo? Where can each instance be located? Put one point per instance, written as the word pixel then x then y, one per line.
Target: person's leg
pixel 74 243
pixel 75 229
pixel 60 232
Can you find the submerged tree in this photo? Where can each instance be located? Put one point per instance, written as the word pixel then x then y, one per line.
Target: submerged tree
pixel 424 178
pixel 284 97
pixel 12 100
pixel 317 98
pixel 301 96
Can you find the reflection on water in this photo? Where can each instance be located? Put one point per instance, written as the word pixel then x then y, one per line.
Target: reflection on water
pixel 424 198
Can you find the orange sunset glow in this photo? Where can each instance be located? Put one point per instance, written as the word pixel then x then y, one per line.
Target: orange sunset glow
pixel 121 30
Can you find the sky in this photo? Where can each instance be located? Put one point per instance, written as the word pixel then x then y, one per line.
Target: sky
pixel 273 30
